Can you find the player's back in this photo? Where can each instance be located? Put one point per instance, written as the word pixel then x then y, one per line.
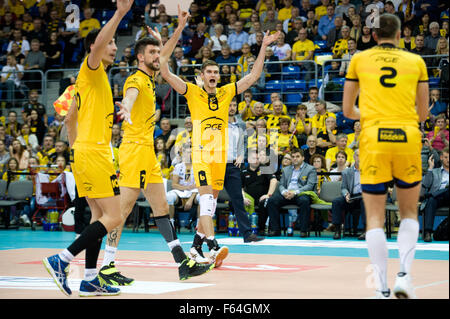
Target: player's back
pixel 95 106
pixel 388 78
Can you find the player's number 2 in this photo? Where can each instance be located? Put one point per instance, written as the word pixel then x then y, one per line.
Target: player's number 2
pixel 392 74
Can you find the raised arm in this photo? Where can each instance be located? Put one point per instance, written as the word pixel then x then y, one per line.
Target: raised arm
pixel 107 33
pixel 175 82
pixel 248 80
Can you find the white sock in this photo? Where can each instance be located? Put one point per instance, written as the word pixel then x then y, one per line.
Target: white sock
pixel 109 256
pixel 408 233
pixel 378 254
pixel 172 221
pixel 90 274
pixel 206 203
pixel 66 256
pixel 174 243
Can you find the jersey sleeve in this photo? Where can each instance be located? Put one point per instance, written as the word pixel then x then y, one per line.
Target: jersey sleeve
pixel 351 73
pixel 132 81
pixel 423 77
pixel 191 90
pixel 91 75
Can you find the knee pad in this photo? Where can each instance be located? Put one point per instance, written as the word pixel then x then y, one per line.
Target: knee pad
pixel 206 205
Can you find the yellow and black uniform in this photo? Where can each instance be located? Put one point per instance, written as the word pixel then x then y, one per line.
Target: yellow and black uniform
pixel 138 163
pixel 88 25
pixel 273 121
pixel 318 121
pixel 92 156
pixel 209 113
pixel 390 142
pixel 269 107
pixel 300 128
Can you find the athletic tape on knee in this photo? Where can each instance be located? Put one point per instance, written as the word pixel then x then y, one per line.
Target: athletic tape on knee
pixel 207 205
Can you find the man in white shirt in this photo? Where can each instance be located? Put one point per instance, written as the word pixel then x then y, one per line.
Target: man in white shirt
pixel 11 76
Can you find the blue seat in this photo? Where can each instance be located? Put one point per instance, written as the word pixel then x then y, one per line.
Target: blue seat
pixel 340 81
pixel 293 98
pixel 291 72
pixel 312 83
pixel 294 85
pixel 434 82
pixel 274 85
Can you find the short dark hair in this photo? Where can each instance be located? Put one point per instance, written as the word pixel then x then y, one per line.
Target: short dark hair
pixel 90 39
pixel 389 25
pixel 142 44
pixel 297 150
pixel 209 63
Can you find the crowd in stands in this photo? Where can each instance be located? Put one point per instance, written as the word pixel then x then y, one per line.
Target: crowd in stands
pixel 34 35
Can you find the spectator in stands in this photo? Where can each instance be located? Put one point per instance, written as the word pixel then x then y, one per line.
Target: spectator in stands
pixel 178 56
pixel 6 138
pixel 421 50
pixel 53 51
pixel 318 120
pixel 257 112
pixel 288 24
pixel 273 120
pixel 320 10
pixel 7 25
pixel 116 138
pixel 55 24
pixel 272 70
pixel 256 28
pixel 292 35
pixel 341 164
pixel 326 22
pixel 216 41
pixel 4 155
pixel 18 151
pixel 389 7
pixel 46 150
pixel 229 23
pixel 258 88
pixel 226 56
pixel 11 166
pixel 351 200
pixel 33 104
pixel 27 24
pixel 438 138
pixel 435 184
pixel 313 94
pixel 366 41
pixel 37 125
pixel 128 57
pixel 310 148
pixel 424 27
pixel 441 49
pixel 326 138
pixel 341 146
pixel 243 60
pixel 237 38
pixel 214 20
pixel 38 32
pixel 259 186
pixel 408 9
pixel 11 78
pixel 341 45
pixel 183 137
pixel 88 23
pixel 436 105
pixel 285 12
pixel 61 149
pixel 353 138
pixel 285 140
pixel 28 140
pixel 35 60
pixel 269 22
pixel 351 43
pixel 318 162
pixel 20 57
pixel 245 107
pixel 13 126
pixel 303 50
pixel 281 49
pixel 20 40
pixel 119 79
pixel 432 39
pixel 355 29
pixel 305 6
pixel 197 39
pixel 300 125
pixel 312 26
pixel 295 179
pixel 342 9
pixel 334 34
pixel 407 41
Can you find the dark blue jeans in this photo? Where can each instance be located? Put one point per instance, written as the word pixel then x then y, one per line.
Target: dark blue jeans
pixel 233 186
pixel 433 203
pixel 339 207
pixel 277 201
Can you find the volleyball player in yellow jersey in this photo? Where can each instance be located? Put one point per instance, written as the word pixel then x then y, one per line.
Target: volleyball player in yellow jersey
pixel 89 123
pixel 139 168
pixel 391 81
pixel 209 111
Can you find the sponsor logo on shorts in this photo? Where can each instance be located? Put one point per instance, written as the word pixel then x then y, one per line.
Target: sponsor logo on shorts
pixel 115 185
pixel 219 182
pixel 372 170
pixel 142 178
pixel 87 187
pixel 392 135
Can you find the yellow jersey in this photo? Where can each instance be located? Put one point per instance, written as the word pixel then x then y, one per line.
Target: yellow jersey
pixel 209 113
pixel 88 25
pixel 388 78
pixel 95 106
pixel 318 121
pixel 302 49
pixel 143 112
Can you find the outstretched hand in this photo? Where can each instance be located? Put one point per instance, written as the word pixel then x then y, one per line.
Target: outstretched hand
pixel 154 33
pixel 123 113
pixel 183 17
pixel 269 39
pixel 123 6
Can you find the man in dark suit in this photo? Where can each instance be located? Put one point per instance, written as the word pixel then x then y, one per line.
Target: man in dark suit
pixel 435 183
pixel 295 179
pixel 351 199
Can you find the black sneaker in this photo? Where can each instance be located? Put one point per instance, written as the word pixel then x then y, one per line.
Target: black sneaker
pixel 252 237
pixel 112 277
pixel 189 268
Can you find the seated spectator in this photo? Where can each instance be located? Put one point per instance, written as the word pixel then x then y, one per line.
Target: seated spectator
pixel 312 26
pixel 17 37
pixel 341 164
pixel 318 162
pixel 11 78
pixel 222 4
pixel 285 141
pixel 408 9
pixel 438 138
pixel 342 9
pixel 310 148
pixel 119 79
pixel 88 23
pixel 128 57
pixel 313 94
pixel 285 12
pixel 163 21
pixel 303 50
pixel 436 105
pixel 46 150
pixel 28 140
pixel 268 108
pixel 432 39
pixel 353 138
pixel 256 46
pixel 225 56
pixel 183 137
pixel 216 41
pixel 116 137
pixel 334 34
pixel 237 38
pixel 257 188
pixel 20 57
pixel 243 60
pixel 356 28
pixel 351 200
pixel 186 73
pixel 440 62
pixel 273 120
pixel 227 76
pixel 37 125
pixel 435 184
pixel 288 24
pixel 35 60
pixel 407 42
pixel 351 43
pixel 4 155
pixel 255 28
pixel 269 20
pixel 326 138
pixel 366 41
pixel 18 151
pixel 184 191
pixel 197 39
pixel 318 120
pixel 340 46
pixel 13 126
pixel 295 179
pixel 326 22
pixel 341 146
pixel 38 32
pixel 6 138
pixel 245 107
pixel 300 125
pixel 53 51
pixel 12 166
pixel 292 35
pixel 281 49
pixel 272 70
pixel 258 114
pixel 61 149
pixel 259 87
